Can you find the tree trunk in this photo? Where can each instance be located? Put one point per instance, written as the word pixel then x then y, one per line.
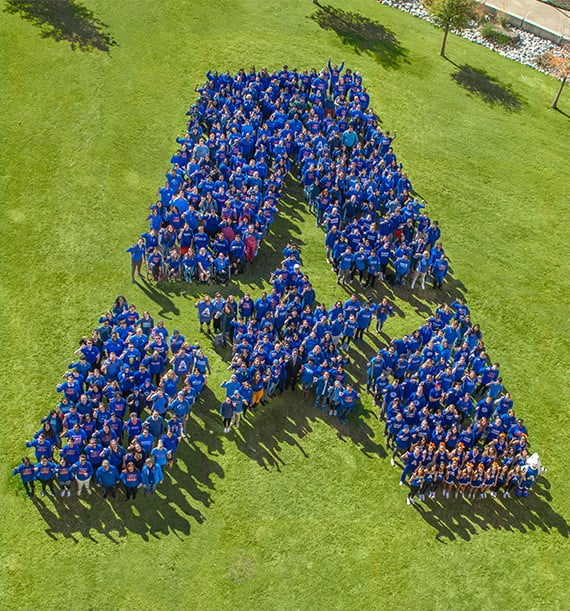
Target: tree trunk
pixel 445 33
pixel 555 103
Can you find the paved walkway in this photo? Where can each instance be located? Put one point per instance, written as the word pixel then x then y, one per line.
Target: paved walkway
pixel 544 16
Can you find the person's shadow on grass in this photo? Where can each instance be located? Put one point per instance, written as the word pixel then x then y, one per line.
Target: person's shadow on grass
pixel 454 519
pixel 178 503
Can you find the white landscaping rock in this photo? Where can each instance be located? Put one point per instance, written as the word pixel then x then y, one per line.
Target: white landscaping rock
pixel 527 51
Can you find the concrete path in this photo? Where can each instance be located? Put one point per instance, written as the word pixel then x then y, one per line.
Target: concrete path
pixel 534 13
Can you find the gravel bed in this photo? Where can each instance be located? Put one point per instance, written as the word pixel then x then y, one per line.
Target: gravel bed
pixel 527 51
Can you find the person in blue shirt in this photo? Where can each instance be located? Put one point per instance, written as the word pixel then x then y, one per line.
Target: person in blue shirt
pixel 227 412
pixel 180 406
pixel 323 389
pixel 26 471
pixel 205 312
pixel 107 477
pixel 363 320
pixel 45 474
pixel 348 399
pixel 345 266
pixel 160 454
pixel 439 271
pixel 65 477
pixel 155 264
pixel 237 255
pixel 382 311
pixel 417 482
pixel 42 446
pixel 238 408
pixel 131 479
pixel 349 331
pixel 413 461
pixel 137 256
pixel 401 267
pixel 155 424
pixel 421 270
pixel 83 471
pixel 349 138
pixel 151 476
pixel 70 452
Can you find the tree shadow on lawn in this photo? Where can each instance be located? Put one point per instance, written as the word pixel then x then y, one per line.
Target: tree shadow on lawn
pixel 65 20
pixel 480 83
pixel 363 35
pixel 455 519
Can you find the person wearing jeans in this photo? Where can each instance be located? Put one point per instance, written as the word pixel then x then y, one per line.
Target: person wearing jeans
pixel 151 476
pixel 323 390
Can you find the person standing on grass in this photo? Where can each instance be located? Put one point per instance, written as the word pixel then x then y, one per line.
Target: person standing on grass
pixel 293 369
pixel 421 270
pixel 160 453
pixel 227 412
pixel 26 471
pixel 151 476
pixel 83 470
pixel 383 310
pixel 349 138
pixel 401 267
pixel 413 461
pixel 137 257
pixel 107 477
pixel 348 332
pixel 181 409
pixel 45 473
pixel 416 484
pixel 131 479
pixel 344 266
pixel 323 389
pixel 205 312
pixel 348 398
pixel 372 269
pixel 439 271
pixel 239 403
pixel 169 442
pixel 258 388
pixel 65 476
pixel 363 320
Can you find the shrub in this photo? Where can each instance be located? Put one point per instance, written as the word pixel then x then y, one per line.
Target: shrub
pixel 491 33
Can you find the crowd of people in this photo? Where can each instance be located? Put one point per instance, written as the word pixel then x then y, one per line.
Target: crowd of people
pixel 447 415
pixel 124 407
pixel 244 135
pixel 446 412
pixel 285 340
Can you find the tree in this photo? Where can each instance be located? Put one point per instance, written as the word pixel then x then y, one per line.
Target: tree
pixel 559 67
pixel 451 14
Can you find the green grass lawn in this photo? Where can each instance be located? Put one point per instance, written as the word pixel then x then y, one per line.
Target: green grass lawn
pixel 292 513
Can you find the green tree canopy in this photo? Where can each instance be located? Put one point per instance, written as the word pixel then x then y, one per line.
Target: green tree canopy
pixel 451 14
